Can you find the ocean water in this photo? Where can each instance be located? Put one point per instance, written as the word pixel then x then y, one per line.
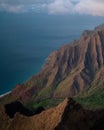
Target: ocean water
pixel 27 39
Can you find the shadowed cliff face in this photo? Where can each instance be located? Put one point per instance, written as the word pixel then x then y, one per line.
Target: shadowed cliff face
pixel 14 107
pixel 69 115
pixel 75 117
pixel 69 70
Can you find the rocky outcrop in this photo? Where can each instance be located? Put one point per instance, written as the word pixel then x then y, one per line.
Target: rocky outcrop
pixel 46 120
pixel 69 115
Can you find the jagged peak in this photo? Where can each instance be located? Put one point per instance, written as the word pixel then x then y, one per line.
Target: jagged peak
pixel 87 33
pixel 99 27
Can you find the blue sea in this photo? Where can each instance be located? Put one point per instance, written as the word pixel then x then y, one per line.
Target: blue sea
pixel 27 39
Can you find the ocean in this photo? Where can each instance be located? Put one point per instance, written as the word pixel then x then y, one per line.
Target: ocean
pixel 27 39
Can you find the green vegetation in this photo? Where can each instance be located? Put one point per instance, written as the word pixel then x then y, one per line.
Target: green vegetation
pixel 93 99
pixel 46 103
pixel 34 81
pixel 44 92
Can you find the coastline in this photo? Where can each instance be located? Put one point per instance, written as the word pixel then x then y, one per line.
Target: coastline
pixel 2 95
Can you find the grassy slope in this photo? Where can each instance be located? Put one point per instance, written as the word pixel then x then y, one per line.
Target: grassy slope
pixel 93 99
pixel 46 103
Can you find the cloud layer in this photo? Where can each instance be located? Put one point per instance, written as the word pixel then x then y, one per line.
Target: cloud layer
pixel 90 7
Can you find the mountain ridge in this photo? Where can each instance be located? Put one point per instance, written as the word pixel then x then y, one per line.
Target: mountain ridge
pixel 86 55
pixel 68 71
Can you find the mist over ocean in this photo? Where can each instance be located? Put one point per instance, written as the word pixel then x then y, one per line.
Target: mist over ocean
pixel 27 39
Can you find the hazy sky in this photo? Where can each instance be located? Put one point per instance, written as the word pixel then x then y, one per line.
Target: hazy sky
pixel 91 7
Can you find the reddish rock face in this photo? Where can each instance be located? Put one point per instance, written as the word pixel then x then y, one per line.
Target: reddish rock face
pixel 68 71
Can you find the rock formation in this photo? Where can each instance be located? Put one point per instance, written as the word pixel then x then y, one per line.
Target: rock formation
pixel 69 115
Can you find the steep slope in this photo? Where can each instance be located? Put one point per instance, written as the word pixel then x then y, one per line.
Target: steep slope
pixel 93 97
pixel 68 71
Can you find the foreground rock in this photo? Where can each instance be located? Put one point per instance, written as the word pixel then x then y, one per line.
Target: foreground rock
pixel 75 117
pixel 68 115
pixel 46 120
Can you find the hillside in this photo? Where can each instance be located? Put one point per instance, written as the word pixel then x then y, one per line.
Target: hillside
pixel 68 71
pixel 75 70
